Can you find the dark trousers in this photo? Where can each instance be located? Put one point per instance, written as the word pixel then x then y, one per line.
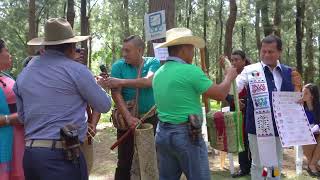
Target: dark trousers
pixel 49 164
pixel 245 156
pixel 126 150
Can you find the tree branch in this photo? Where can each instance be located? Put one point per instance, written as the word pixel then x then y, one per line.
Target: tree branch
pixel 19 36
pixel 90 9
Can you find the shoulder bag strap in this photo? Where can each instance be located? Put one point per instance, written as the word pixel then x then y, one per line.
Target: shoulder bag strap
pixel 136 106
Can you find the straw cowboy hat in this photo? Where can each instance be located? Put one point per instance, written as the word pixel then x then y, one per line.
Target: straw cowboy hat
pixel 57 31
pixel 177 36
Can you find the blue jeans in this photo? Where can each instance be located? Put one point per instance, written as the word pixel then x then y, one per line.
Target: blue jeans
pixel 176 153
pixel 49 164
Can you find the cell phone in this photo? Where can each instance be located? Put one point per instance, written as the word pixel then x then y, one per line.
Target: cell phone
pixel 103 68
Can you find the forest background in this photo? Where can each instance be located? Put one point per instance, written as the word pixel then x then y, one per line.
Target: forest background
pixel 226 25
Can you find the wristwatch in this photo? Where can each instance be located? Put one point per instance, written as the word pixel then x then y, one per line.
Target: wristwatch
pixel 6 119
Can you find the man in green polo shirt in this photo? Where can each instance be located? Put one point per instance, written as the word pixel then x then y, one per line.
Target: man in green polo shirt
pixel 177 88
pixel 124 82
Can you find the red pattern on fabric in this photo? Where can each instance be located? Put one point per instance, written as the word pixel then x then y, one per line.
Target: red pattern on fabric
pixel 243 95
pixel 221 129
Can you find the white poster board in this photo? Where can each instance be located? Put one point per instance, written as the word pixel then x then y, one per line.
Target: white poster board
pixel 160 53
pixel 155 25
pixel 291 120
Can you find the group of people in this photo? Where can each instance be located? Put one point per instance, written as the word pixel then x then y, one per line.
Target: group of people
pixel 55 104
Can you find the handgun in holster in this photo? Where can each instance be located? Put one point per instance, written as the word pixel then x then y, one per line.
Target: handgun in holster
pixel 195 124
pixel 70 141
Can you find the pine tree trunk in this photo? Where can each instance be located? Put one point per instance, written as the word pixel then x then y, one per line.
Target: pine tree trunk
pixel 229 28
pixel 169 7
pixel 189 12
pixel 126 18
pixel 257 26
pixel 221 26
pixel 64 9
pixel 205 24
pixel 310 70
pixel 32 24
pixel 219 77
pixel 70 12
pixel 277 18
pixel 84 27
pixel 243 38
pixel 299 36
pixel 267 28
pixel 319 61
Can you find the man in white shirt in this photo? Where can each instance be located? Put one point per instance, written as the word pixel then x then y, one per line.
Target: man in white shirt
pixel 261 79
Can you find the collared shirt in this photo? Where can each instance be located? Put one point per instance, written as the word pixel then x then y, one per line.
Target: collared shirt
pixel 242 79
pixel 53 92
pixel 276 72
pixel 177 59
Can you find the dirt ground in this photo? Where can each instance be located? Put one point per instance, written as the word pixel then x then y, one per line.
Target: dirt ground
pixel 105 160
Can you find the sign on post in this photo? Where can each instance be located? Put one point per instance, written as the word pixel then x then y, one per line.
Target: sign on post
pixel 160 53
pixel 155 25
pixel 291 120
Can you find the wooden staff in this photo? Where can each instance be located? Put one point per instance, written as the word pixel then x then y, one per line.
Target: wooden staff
pixel 205 99
pixel 131 130
pixel 89 113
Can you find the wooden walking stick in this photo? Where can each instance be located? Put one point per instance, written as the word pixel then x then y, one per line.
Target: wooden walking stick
pixel 131 130
pixel 89 113
pixel 205 99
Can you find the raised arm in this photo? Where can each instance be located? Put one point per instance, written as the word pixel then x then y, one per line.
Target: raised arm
pixel 143 82
pixel 220 91
pixel 96 97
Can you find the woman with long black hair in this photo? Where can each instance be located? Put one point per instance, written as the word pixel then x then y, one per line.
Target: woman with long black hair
pixel 312 108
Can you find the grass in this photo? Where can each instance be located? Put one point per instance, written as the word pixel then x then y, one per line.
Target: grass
pixel 105 117
pixel 215 105
pixel 225 175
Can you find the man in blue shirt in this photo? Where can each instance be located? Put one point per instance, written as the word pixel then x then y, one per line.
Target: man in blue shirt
pixel 51 93
pixel 124 83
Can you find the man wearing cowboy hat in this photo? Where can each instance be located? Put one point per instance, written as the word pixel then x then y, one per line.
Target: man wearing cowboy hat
pixel 53 92
pixel 124 83
pixel 177 86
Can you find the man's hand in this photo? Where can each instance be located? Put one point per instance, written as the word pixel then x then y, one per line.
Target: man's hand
pixel 300 101
pixel 102 82
pixel 113 82
pixel 132 122
pixel 222 61
pixel 242 104
pixel 231 73
pixel 104 75
pixel 92 129
pixel 315 129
